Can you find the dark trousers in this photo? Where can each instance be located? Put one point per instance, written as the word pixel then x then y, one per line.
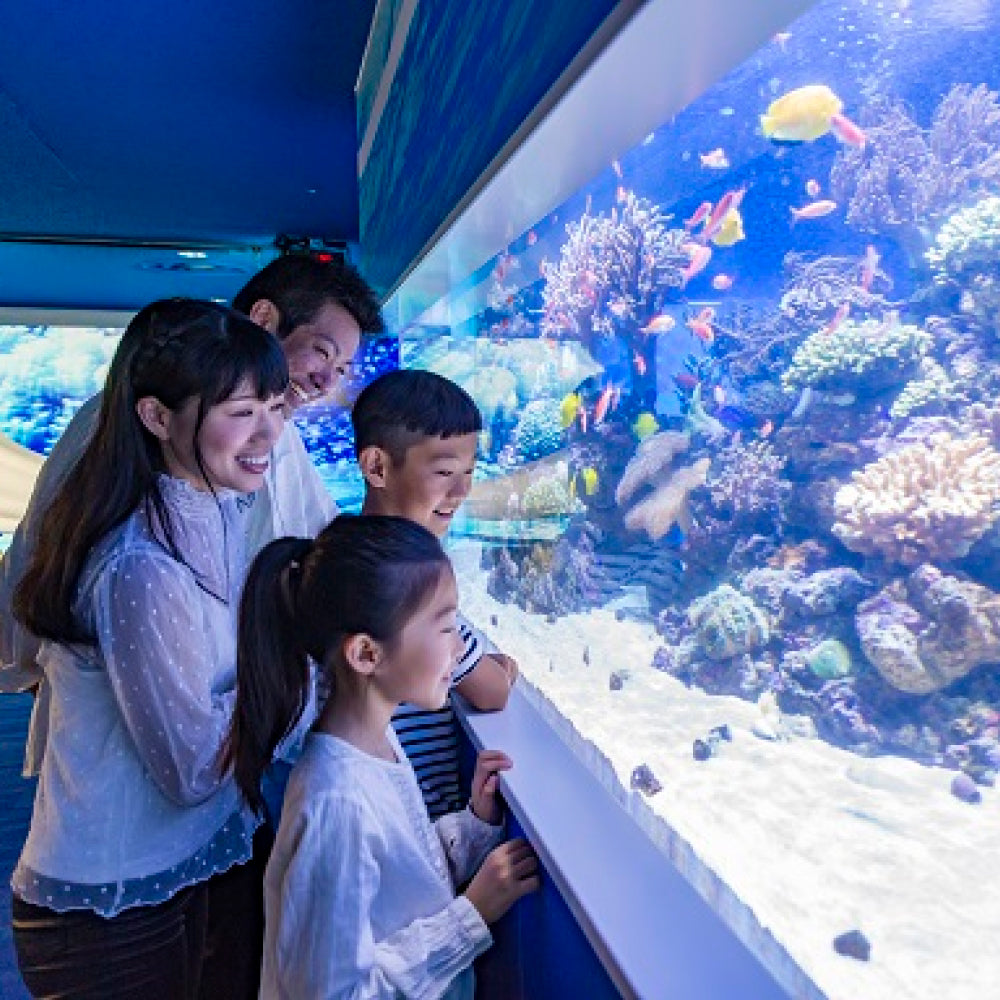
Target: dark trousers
pixel 204 943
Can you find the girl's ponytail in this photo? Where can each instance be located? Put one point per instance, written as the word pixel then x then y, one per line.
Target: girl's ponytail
pixel 272 675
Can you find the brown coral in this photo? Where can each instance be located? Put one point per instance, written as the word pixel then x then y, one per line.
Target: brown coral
pixel 650 459
pixel 925 502
pixel 668 505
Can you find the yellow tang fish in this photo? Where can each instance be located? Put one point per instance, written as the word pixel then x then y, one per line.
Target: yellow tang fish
pixel 645 425
pixel 801 115
pixel 590 480
pixel 731 230
pixel 569 408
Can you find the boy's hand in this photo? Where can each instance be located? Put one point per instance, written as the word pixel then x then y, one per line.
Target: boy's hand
pixel 484 801
pixel 509 872
pixel 509 666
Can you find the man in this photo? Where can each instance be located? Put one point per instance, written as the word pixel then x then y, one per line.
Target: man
pixel 318 311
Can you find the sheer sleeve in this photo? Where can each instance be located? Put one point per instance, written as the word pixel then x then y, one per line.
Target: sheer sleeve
pixel 160 664
pixel 325 944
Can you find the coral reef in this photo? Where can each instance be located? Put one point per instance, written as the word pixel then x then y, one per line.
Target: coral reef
pixel 611 270
pixel 667 505
pixel 745 482
pixel 539 430
pixel 547 497
pixel 727 624
pixel 652 456
pixel 968 241
pixel 494 389
pixel 931 389
pixel 904 176
pixel 925 502
pixel 815 289
pixel 928 630
pixel 870 355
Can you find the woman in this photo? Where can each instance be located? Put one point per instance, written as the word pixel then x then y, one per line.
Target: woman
pixel 134 587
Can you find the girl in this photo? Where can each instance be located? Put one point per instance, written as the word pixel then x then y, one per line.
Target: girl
pixel 360 888
pixel 134 585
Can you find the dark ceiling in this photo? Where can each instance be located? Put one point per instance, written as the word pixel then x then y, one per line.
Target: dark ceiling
pixel 224 122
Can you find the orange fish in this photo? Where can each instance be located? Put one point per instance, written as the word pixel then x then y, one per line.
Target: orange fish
pixel 617 168
pixel 700 256
pixel 602 405
pixel 706 315
pixel 812 188
pixel 640 364
pixel 814 210
pixel 702 330
pixel 722 282
pixel 700 213
pixel 729 202
pixel 838 317
pixel 846 131
pixel 766 428
pixel 868 267
pixel 582 414
pixel 532 237
pixel 621 194
pixel 662 323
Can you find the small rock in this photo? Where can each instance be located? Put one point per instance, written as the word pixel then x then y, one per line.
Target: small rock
pixel 701 750
pixel 643 780
pixel 764 730
pixel 853 944
pixel 964 788
pixel 617 679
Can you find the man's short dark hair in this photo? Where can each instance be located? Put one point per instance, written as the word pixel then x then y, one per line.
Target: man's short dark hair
pixel 402 407
pixel 301 286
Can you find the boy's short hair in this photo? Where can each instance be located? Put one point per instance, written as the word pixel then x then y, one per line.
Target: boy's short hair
pixel 402 407
pixel 301 286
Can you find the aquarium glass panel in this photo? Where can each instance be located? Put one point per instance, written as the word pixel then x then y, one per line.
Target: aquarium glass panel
pixel 737 509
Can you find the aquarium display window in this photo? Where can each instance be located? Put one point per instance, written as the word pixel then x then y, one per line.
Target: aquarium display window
pixel 737 510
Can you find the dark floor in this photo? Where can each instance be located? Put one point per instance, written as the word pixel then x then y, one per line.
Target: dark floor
pixel 15 811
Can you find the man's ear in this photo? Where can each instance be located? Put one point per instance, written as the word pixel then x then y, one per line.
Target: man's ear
pixel 362 653
pixel 265 313
pixel 374 464
pixel 155 416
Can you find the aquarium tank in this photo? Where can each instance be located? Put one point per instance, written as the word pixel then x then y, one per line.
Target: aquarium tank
pixel 47 372
pixel 737 509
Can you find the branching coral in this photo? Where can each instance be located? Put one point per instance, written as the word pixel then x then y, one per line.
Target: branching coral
pixel 932 388
pixel 745 480
pixel 923 503
pixel 904 176
pixel 873 354
pixel 539 430
pixel 815 289
pixel 611 269
pixel 968 241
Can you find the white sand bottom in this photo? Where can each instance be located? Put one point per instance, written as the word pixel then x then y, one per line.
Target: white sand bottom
pixel 812 840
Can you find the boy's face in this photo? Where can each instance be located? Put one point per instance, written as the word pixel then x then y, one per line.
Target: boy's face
pixel 429 485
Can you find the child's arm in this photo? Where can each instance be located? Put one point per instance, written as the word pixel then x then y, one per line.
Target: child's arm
pixel 483 678
pixel 327 881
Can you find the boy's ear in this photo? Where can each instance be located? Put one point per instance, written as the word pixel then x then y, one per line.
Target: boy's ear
pixel 265 313
pixel 374 464
pixel 362 653
pixel 155 416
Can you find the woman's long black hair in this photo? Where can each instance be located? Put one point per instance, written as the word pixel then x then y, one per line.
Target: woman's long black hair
pixel 363 574
pixel 174 350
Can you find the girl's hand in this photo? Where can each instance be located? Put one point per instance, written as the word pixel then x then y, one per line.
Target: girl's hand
pixel 509 872
pixel 484 800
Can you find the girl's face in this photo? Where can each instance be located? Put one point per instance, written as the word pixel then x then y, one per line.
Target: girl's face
pixel 419 667
pixel 235 440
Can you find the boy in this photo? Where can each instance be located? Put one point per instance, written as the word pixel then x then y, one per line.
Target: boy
pixel 415 436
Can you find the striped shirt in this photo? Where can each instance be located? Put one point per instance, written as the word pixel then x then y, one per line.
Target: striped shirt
pixel 430 739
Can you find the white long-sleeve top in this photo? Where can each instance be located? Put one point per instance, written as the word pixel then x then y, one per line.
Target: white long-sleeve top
pixel 360 888
pixel 132 804
pixel 292 501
